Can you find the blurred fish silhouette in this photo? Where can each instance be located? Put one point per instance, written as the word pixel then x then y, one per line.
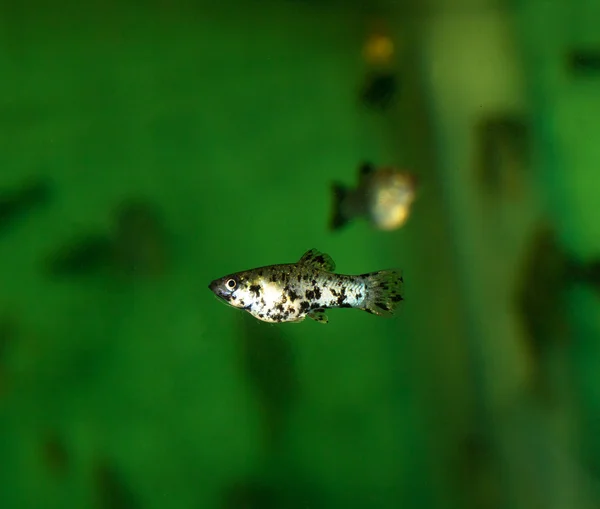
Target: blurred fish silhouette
pixel 504 145
pixel 82 256
pixel 381 82
pixel 383 196
pixel 379 90
pixel 54 453
pixel 16 203
pixel 584 61
pixel 137 246
pixel 548 272
pixel 111 489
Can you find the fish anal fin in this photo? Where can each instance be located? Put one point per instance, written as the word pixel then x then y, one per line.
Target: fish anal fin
pixel 318 260
pixel 318 315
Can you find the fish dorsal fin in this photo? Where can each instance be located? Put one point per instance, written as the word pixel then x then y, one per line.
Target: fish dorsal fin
pixel 318 315
pixel 318 260
pixel 365 170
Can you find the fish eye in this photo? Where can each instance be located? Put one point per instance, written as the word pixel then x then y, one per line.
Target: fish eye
pixel 231 284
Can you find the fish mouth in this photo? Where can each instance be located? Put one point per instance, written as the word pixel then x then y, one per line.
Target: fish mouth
pixel 216 288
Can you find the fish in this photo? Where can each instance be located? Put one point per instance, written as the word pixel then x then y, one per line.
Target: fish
pixel 384 197
pixel 15 203
pixel 291 292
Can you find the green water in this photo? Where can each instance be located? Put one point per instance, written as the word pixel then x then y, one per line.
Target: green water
pixel 232 120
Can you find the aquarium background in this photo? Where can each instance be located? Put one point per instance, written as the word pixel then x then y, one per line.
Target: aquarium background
pixel 147 148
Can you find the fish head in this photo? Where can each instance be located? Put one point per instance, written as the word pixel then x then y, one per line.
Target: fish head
pixel 234 289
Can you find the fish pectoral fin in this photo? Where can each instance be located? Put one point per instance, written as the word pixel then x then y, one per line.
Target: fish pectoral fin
pixel 318 260
pixel 318 315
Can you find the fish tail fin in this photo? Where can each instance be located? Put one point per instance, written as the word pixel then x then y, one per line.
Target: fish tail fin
pixel 338 218
pixel 384 292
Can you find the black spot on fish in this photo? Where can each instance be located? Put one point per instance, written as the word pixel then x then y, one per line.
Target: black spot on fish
pixel 317 293
pixel 396 298
pixel 306 277
pixel 359 295
pixel 314 282
pixel 310 295
pixel 260 315
pixel 369 311
pixel 304 306
pixel 383 306
pixel 292 295
pixel 279 307
pixel 255 289
pixel 341 297
pixel 299 278
pixel 334 292
pixel 346 305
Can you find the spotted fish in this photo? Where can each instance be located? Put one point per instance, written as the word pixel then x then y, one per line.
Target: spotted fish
pixel 291 292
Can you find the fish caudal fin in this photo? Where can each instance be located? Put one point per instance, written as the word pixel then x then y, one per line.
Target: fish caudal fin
pixel 338 219
pixel 384 292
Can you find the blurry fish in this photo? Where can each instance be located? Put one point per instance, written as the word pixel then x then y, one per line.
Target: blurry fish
pixel 140 239
pixel 137 247
pixel 504 145
pixel 584 62
pixel 54 453
pixel 81 257
pixel 384 196
pixel 379 90
pixel 381 82
pixel 110 488
pixel 17 202
pixel 548 272
pixel 291 292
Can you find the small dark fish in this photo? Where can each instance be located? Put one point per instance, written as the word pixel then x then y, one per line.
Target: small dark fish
pixel 384 196
pixel 291 292
pixel 17 202
pixel 88 255
pixel 584 61
pixel 379 90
